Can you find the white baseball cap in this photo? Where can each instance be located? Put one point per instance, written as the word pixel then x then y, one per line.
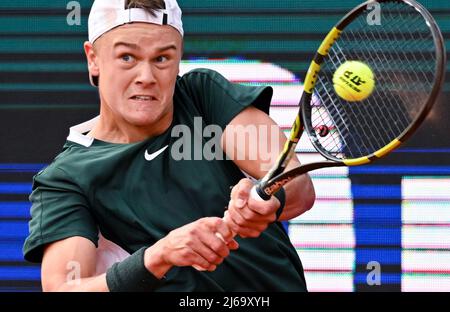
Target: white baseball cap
pixel 108 14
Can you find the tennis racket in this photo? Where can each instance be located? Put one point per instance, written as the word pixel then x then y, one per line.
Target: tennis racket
pixel 404 48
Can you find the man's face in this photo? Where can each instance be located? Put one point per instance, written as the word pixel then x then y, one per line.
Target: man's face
pixel 138 64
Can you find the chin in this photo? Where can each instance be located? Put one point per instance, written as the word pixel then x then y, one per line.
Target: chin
pixel 142 121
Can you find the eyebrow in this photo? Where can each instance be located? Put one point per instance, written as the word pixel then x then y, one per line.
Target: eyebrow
pixel 167 47
pixel 136 47
pixel 126 44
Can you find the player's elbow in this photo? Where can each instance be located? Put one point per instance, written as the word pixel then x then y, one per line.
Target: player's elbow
pixel 309 194
pixel 52 283
pixel 301 195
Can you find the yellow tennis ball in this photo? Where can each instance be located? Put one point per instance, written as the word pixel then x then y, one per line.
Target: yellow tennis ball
pixel 354 81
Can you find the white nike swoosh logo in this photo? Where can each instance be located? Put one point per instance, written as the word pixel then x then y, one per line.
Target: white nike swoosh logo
pixel 149 157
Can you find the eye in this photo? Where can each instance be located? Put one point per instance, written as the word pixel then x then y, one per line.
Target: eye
pixel 161 59
pixel 127 58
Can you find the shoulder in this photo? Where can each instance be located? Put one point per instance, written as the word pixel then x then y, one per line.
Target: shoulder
pixel 203 76
pixel 62 166
pixel 202 72
pixel 219 98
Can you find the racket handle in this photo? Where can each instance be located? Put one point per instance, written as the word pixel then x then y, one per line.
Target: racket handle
pixel 257 194
pixel 254 194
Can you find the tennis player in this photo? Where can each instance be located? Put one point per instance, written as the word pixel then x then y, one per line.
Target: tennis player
pixel 117 175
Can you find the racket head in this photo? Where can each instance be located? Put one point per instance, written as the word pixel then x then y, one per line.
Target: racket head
pixel 407 56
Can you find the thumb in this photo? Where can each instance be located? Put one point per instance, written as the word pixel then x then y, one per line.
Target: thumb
pixel 243 193
pixel 264 207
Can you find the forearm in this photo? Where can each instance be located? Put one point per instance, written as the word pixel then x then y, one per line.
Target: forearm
pixel 300 197
pixel 88 284
pixel 300 194
pixel 101 283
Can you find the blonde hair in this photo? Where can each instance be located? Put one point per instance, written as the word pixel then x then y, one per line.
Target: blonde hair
pixel 148 5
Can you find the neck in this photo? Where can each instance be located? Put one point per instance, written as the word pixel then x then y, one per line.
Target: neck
pixel 114 129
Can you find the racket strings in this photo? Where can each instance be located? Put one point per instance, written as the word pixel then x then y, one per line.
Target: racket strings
pixel 341 124
pixel 333 142
pixel 336 58
pixel 387 79
pixel 323 119
pixel 413 80
pixel 422 45
pixel 391 107
pixel 401 53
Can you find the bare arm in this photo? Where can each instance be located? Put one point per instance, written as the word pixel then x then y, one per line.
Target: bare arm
pixel 70 264
pixel 259 152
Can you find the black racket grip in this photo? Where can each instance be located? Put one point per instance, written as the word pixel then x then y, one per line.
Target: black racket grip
pixel 258 193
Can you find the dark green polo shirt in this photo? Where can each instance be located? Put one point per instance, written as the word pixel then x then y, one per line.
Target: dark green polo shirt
pixel 135 202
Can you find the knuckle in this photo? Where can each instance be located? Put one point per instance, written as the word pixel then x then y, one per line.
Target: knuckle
pixel 254 234
pixel 192 231
pixel 186 254
pixel 189 244
pixel 226 252
pixel 218 260
pixel 216 222
pixel 213 258
pixel 212 268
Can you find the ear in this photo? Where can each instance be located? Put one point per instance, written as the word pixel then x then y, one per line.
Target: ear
pixel 92 61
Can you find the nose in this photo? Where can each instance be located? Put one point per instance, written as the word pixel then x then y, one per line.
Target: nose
pixel 145 75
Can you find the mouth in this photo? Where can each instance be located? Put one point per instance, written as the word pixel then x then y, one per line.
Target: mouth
pixel 143 98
